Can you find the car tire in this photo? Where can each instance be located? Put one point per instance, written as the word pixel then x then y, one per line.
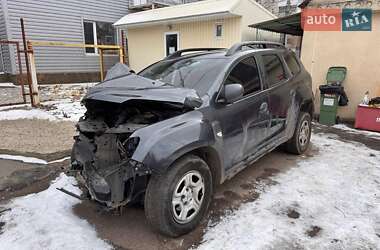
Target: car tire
pixel 300 141
pixel 176 201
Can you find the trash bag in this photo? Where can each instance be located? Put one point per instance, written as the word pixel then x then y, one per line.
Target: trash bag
pixel 119 69
pixel 343 100
pixel 374 101
pixel 334 89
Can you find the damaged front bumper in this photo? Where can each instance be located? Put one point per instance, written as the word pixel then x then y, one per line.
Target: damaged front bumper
pixel 115 182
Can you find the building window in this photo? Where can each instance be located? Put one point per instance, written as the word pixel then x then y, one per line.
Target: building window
pixel 98 33
pixel 219 30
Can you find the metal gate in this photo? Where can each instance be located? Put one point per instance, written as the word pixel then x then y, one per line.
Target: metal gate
pixel 19 76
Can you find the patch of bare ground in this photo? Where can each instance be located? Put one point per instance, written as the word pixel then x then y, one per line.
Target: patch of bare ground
pixel 30 180
pixel 313 231
pixel 371 142
pixel 36 136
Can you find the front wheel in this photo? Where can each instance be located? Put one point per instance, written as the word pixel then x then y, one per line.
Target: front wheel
pixel 300 141
pixel 176 201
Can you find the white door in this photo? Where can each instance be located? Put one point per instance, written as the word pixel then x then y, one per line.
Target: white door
pixel 171 42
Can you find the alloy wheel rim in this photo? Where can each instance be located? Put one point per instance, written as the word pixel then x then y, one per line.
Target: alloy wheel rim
pixel 188 197
pixel 304 133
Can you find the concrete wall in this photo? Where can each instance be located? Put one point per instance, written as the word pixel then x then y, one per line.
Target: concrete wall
pixel 146 45
pixel 358 51
pixel 52 20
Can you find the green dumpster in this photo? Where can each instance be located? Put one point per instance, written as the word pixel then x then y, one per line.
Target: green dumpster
pixel 330 95
pixel 328 109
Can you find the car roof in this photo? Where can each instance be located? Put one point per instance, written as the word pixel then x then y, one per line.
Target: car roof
pixel 222 54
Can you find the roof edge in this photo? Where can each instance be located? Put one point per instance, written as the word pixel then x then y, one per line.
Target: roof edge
pixel 216 14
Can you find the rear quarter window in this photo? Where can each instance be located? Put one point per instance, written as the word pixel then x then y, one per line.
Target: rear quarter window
pixel 292 63
pixel 274 70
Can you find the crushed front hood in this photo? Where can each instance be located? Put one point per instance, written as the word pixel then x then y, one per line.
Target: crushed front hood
pixel 134 87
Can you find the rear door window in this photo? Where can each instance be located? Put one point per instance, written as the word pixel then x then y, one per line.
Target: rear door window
pixel 274 70
pixel 292 63
pixel 246 73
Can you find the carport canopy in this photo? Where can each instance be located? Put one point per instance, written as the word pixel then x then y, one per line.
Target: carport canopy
pixel 287 25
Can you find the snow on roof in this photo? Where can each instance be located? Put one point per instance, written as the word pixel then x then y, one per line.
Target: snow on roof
pixel 190 10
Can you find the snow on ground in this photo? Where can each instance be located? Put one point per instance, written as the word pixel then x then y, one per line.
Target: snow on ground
pixel 5 108
pixel 64 109
pixel 45 220
pixel 7 85
pixel 32 160
pixel 23 159
pixel 60 160
pixel 336 190
pixel 357 131
pixel 15 114
pixel 59 102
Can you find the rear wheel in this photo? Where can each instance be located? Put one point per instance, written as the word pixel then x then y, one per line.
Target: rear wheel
pixel 300 141
pixel 176 201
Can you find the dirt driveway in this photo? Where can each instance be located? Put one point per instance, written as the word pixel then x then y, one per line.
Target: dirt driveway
pixel 131 231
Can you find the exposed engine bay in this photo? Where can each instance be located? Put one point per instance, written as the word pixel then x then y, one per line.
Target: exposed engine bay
pixel 103 149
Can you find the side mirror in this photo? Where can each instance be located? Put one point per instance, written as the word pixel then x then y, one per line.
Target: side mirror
pixel 231 93
pixel 193 102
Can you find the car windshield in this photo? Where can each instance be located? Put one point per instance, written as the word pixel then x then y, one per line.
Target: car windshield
pixel 192 73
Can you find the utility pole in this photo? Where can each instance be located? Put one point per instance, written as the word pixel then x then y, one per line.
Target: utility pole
pixel 287 13
pixel 288 7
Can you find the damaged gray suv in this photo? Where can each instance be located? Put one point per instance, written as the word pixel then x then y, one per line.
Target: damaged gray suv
pixel 170 134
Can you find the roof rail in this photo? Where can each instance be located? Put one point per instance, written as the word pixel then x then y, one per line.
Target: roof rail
pixel 253 45
pixel 180 52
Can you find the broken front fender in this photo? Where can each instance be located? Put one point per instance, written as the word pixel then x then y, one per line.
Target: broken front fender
pixel 163 143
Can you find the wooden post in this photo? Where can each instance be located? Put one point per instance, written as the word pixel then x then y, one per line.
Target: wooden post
pixel 33 73
pixel 121 55
pixel 101 64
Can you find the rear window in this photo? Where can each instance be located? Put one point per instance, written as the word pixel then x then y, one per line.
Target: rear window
pixel 292 63
pixel 274 69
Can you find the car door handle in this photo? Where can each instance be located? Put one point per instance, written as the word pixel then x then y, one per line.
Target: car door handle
pixel 264 108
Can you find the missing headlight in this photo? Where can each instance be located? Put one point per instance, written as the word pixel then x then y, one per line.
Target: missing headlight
pixel 128 147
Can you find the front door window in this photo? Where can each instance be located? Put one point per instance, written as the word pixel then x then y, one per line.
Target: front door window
pixel 247 74
pixel 171 43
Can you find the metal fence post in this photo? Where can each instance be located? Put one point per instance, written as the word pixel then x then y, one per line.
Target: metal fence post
pixel 28 76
